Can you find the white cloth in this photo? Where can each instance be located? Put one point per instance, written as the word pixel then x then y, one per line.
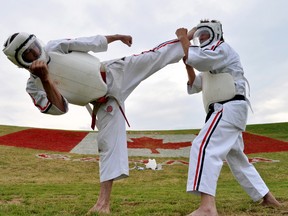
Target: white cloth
pixel 216 58
pixel 221 137
pixel 84 44
pixel 123 76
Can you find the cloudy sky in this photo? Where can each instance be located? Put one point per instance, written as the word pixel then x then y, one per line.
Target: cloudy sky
pixel 257 31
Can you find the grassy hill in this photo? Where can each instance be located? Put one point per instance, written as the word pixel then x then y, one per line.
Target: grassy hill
pixel 33 186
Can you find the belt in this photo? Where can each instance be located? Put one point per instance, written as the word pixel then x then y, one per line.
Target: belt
pixel 103 72
pixel 211 106
pixel 96 104
pixel 236 97
pixel 102 100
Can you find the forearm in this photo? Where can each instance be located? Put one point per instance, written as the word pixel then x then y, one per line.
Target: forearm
pixel 53 94
pixel 191 74
pixel 126 39
pixel 185 45
pixel 112 38
pixel 40 69
pixel 184 40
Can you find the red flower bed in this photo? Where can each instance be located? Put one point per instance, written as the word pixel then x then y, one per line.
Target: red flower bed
pixel 65 141
pixel 54 140
pixel 257 144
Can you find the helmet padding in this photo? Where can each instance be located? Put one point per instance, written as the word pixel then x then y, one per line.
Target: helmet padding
pixel 214 28
pixel 16 45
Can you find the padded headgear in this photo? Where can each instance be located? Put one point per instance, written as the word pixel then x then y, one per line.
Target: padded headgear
pixel 213 27
pixel 15 46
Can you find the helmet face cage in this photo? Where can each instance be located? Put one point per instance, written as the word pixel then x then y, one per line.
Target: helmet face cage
pixel 213 27
pixel 25 48
pixel 202 30
pixel 33 46
pixel 19 52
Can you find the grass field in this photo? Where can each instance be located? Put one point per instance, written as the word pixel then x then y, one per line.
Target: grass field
pixel 33 186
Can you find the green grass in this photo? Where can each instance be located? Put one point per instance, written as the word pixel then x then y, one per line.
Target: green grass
pixel 274 130
pixel 33 186
pixel 4 129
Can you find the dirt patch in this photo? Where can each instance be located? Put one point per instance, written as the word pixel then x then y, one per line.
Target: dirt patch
pixel 15 201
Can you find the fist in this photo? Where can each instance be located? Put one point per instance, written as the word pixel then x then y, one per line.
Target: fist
pixel 181 32
pixel 126 39
pixel 40 69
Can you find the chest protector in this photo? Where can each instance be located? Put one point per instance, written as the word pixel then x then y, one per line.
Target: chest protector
pixel 77 76
pixel 216 88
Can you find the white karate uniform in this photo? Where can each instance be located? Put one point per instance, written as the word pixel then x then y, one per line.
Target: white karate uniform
pixel 221 137
pixel 122 77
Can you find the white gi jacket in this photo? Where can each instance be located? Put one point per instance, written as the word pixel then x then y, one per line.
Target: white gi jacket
pixel 219 57
pixel 83 44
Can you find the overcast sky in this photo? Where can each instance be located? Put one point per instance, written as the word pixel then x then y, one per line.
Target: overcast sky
pixel 256 30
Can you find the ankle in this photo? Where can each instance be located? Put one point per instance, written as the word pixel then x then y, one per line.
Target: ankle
pixel 102 205
pixel 210 210
pixel 270 200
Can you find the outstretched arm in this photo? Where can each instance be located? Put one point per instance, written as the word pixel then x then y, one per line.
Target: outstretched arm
pixel 40 69
pixel 126 39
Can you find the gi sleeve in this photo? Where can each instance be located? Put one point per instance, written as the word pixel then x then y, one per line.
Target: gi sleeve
pixel 206 59
pixel 82 44
pixel 36 91
pixel 196 87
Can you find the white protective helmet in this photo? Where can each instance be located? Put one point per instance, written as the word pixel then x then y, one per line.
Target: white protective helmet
pixel 213 28
pixel 17 44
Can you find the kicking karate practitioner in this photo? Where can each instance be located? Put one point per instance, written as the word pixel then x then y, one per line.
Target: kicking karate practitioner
pixel 121 76
pixel 222 83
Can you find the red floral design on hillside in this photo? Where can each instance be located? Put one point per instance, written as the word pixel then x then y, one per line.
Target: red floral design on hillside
pixel 65 141
pixel 154 144
pixel 52 140
pixel 257 144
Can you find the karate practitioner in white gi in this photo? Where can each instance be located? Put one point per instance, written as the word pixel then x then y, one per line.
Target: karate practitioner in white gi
pixel 122 76
pixel 222 83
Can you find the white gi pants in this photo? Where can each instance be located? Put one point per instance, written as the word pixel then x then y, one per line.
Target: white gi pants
pixel 221 139
pixel 123 76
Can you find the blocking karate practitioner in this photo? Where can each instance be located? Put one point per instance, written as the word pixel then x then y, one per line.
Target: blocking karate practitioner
pixel 222 82
pixel 114 81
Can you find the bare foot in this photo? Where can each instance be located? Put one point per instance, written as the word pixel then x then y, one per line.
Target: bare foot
pixel 270 200
pixel 99 210
pixel 204 212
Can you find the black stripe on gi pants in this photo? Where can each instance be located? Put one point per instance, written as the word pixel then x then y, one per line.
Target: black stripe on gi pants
pixel 204 149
